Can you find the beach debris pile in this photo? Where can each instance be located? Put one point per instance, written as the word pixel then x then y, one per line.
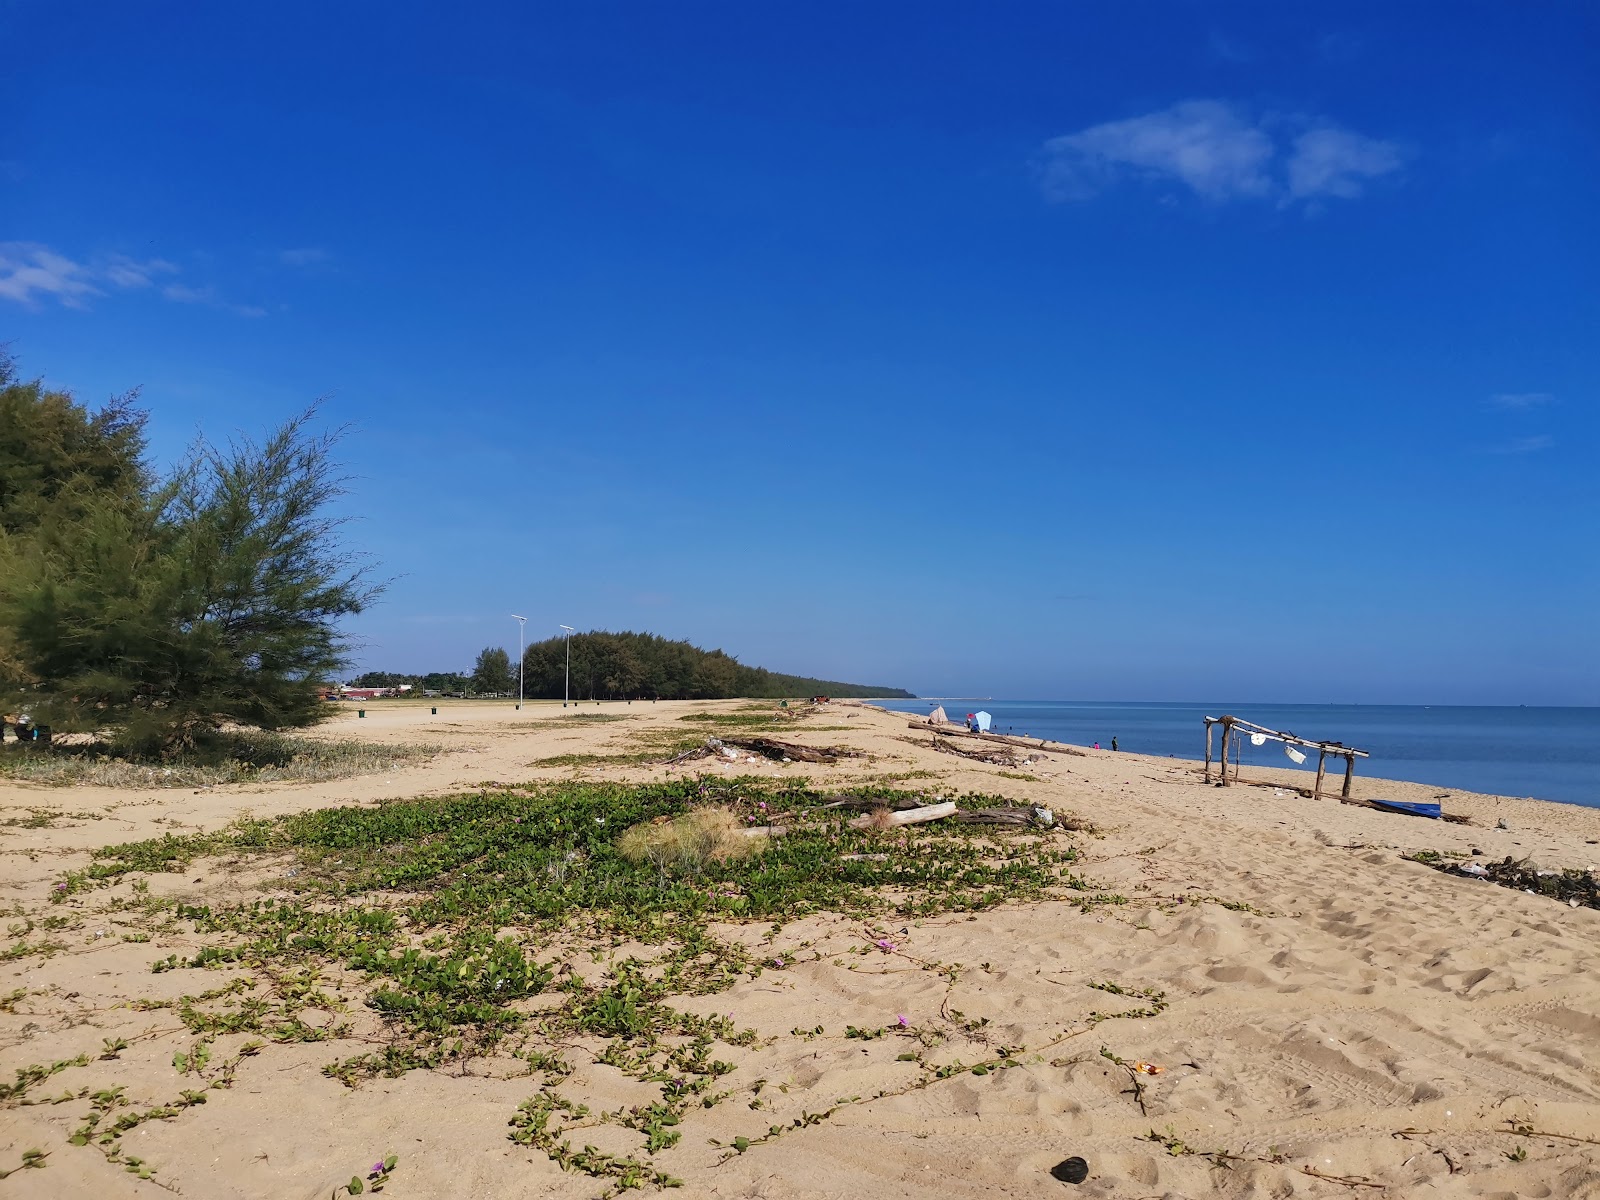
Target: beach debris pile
pixel 769 748
pixel 998 757
pixel 1579 888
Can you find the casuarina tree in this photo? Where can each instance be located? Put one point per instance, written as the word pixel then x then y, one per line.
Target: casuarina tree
pixel 212 599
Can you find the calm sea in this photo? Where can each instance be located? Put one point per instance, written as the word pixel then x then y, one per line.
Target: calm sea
pixel 1549 753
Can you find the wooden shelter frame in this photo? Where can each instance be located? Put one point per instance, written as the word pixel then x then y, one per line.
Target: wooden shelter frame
pixel 1234 728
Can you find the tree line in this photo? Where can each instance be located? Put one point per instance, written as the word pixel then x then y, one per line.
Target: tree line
pixel 625 666
pixel 636 666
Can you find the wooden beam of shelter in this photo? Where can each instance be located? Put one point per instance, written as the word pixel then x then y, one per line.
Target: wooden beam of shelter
pixel 1287 738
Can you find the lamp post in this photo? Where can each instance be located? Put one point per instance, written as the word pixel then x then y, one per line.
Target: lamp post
pixel 522 625
pixel 567 692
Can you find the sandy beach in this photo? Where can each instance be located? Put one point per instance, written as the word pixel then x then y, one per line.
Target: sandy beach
pixel 1335 1019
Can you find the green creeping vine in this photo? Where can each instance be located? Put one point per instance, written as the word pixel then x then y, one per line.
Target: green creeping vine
pixel 452 913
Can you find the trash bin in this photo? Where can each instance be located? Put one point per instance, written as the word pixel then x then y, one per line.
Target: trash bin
pixel 434 710
pixel 361 712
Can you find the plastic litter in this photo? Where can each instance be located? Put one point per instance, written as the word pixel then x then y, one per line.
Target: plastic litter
pixel 1145 1068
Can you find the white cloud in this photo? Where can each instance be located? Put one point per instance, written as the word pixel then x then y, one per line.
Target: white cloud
pixel 1202 143
pixel 1335 162
pixel 305 256
pixel 1521 400
pixel 28 270
pixel 1219 152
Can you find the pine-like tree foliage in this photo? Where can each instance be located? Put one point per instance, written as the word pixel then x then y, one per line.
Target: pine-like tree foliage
pixel 213 600
pixel 56 455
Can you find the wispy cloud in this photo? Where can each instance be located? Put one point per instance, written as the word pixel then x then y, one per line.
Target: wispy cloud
pixel 180 293
pixel 1220 153
pixel 1527 445
pixel 304 256
pixel 1521 401
pixel 30 272
pixel 1335 162
pixel 124 272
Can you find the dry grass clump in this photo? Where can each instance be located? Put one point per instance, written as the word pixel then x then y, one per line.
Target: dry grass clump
pixel 690 841
pixel 242 757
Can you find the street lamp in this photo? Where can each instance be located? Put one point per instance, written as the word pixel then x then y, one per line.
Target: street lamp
pixel 567 694
pixel 522 625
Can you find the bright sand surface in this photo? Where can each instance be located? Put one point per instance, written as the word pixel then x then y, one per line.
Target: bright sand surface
pixel 1334 1010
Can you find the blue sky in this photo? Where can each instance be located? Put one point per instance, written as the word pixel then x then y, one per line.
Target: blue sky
pixel 1120 351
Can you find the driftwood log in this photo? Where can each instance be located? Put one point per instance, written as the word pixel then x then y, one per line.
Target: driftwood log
pixel 909 816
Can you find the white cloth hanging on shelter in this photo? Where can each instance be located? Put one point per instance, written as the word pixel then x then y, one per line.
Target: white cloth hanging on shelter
pixel 1294 754
pixel 984 720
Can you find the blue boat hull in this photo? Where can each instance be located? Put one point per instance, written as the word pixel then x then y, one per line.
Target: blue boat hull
pixel 1410 809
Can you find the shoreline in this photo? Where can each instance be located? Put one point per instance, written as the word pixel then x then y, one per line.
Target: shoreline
pixel 1379 779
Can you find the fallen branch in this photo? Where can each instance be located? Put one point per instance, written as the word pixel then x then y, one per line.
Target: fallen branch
pixel 766 747
pixel 1005 759
pixel 774 749
pixel 1005 815
pixel 1347 1180
pixel 1003 738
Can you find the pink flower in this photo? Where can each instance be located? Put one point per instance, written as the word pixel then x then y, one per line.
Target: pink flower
pixel 886 945
pixel 902 1022
pixel 777 962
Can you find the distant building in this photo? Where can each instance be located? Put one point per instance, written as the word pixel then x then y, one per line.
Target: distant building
pixel 361 693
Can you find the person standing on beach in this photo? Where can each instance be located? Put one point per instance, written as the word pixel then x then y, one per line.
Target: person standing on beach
pixel 1113 741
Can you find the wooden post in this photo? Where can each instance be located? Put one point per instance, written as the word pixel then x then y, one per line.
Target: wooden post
pixel 1227 732
pixel 1349 774
pixel 1208 751
pixel 1322 761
